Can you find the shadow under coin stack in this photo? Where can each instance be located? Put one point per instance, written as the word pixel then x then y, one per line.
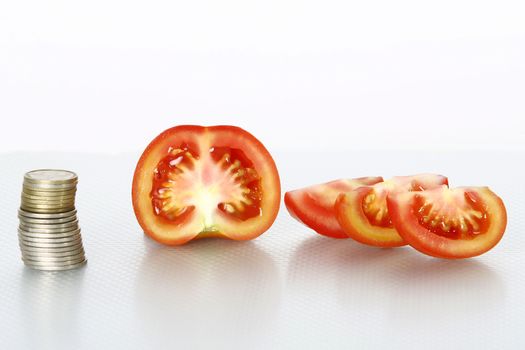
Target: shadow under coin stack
pixel 49 234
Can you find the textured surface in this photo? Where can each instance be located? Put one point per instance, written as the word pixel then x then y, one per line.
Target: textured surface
pixel 287 289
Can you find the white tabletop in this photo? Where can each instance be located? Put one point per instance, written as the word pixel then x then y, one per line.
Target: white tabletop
pixel 289 288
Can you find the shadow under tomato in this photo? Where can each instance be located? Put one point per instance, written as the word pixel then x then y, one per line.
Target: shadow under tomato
pixel 444 290
pixel 344 268
pixel 209 288
pixel 399 286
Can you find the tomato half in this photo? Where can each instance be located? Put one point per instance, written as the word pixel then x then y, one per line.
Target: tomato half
pixel 314 205
pixel 449 223
pixel 363 213
pixel 193 182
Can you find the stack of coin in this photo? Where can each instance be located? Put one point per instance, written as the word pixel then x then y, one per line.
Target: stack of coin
pixel 49 234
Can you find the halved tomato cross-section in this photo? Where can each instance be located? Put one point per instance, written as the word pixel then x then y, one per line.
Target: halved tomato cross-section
pixel 193 182
pixel 314 205
pixel 449 223
pixel 363 213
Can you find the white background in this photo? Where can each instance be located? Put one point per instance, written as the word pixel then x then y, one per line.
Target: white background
pixel 110 75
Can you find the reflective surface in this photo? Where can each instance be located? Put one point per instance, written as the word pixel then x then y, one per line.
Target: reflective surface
pixel 290 288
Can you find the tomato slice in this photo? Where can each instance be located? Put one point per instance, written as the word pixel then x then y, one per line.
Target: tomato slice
pixel 314 205
pixel 363 213
pixel 449 223
pixel 194 181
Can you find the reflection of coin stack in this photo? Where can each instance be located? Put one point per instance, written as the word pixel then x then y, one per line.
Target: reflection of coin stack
pixel 49 234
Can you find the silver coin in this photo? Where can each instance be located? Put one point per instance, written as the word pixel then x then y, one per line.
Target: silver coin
pixel 49 191
pixel 43 222
pixel 50 211
pixel 41 186
pixel 33 189
pixel 54 262
pixel 48 187
pixel 46 209
pixel 46 252
pixel 47 201
pixel 51 250
pixel 50 235
pixel 39 224
pixel 57 268
pixel 47 215
pixel 66 225
pixel 41 234
pixel 54 258
pixel 49 245
pixel 57 247
pixel 58 263
pixel 47 204
pixel 35 255
pixel 37 239
pixel 50 194
pixel 50 231
pixel 54 196
pixel 51 176
pixel 47 240
pixel 33 246
pixel 53 232
pixel 37 235
pixel 64 263
pixel 22 214
pixel 65 232
pixel 61 255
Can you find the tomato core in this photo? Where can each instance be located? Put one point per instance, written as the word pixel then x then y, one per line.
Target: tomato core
pixel 457 215
pixel 222 179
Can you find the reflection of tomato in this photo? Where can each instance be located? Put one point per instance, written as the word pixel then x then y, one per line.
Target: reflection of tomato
pixel 314 205
pixel 194 181
pixel 363 212
pixel 449 223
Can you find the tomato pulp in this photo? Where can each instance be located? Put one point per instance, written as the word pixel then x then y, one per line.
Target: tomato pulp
pixel 363 213
pixel 194 181
pixel 449 223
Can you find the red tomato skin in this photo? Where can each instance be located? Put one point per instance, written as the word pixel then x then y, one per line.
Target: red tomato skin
pixel 318 217
pixel 329 227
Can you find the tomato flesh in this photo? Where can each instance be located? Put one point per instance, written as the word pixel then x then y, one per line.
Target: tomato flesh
pixel 450 223
pixel 314 205
pixel 374 204
pixel 458 215
pixel 363 213
pixel 184 181
pixel 194 182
